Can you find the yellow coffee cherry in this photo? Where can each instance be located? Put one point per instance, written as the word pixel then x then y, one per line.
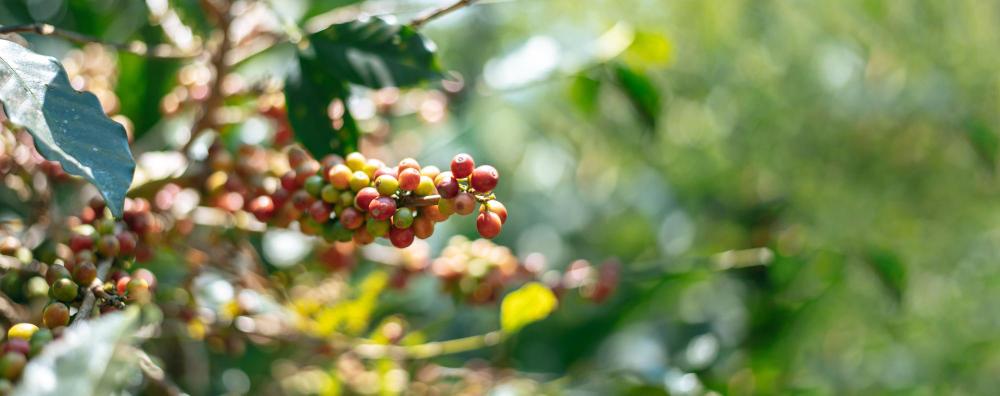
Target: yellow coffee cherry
pixel 23 331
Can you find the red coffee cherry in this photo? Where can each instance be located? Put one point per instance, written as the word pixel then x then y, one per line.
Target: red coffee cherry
pixel 18 345
pixel 409 163
pixel 319 211
pixel 122 285
pixel 484 178
pixel 495 207
pixel 84 274
pixel 351 218
pixel 409 179
pixel 126 243
pixel 289 181
pixel 423 227
pixel 382 208
pixel 401 237
pixel 465 203
pixel 81 242
pixel 447 185
pixel 263 208
pixel 462 165
pixel 488 224
pixel 365 197
pixel 55 315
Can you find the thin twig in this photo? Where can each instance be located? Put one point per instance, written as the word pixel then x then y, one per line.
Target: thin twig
pixel 430 349
pixel 417 22
pixel 90 297
pixel 155 373
pixel 418 201
pixel 135 47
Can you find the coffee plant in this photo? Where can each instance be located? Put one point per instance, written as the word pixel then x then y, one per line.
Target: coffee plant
pixel 132 249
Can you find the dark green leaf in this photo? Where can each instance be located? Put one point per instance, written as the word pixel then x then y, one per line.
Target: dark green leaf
pixel 583 91
pixel 308 95
pixel 86 360
pixel 640 91
pixel 984 141
pixel 68 126
pixel 890 270
pixel 375 53
pixel 321 6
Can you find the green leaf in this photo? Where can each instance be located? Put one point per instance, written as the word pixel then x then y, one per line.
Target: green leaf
pixel 68 126
pixel 308 95
pixel 890 270
pixel 86 360
pixel 640 91
pixel 317 7
pixel 375 53
pixel 984 141
pixel 583 91
pixel 529 304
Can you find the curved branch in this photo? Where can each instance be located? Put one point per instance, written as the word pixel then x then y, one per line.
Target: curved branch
pixel 417 22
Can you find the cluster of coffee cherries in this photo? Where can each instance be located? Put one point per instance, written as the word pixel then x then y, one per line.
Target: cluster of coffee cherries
pixel 478 270
pixel 24 341
pixel 361 199
pixel 99 236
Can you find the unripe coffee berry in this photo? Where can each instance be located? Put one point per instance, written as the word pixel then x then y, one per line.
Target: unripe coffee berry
pixel 359 180
pixel 362 237
pixel 426 186
pixel 64 290
pixel 386 185
pixel 339 176
pixel 108 246
pixel 377 228
pixel 403 218
pixel 11 365
pixel 21 331
pixel 409 163
pixel 462 165
pixel 313 185
pixel 355 161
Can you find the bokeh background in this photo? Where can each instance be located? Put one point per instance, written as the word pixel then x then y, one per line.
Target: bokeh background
pixel 840 157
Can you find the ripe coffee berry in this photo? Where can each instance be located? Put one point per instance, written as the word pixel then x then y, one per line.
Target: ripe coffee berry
pixel 289 181
pixel 409 163
pixel 122 285
pixel 401 237
pixel 382 208
pixel 17 345
pixel 362 237
pixel 55 315
pixel 262 207
pixel 351 218
pixel 409 179
pixel 383 171
pixel 484 178
pixel 126 243
pixel 430 171
pixel 462 165
pixel 495 207
pixel 447 185
pixel 301 200
pixel 488 224
pixel 423 227
pixel 84 274
pixel 319 211
pixel 465 203
pixel 433 212
pixel 64 290
pixel 365 197
pixel 81 242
